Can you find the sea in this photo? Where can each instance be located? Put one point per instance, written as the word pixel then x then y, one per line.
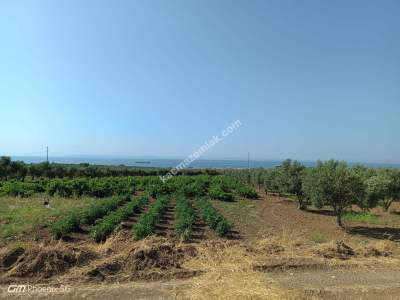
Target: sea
pixel 170 163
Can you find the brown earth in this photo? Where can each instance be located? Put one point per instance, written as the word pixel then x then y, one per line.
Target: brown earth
pixel 275 252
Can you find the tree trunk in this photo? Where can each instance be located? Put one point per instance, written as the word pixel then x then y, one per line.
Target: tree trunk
pixel 339 218
pixel 302 205
pixel 386 203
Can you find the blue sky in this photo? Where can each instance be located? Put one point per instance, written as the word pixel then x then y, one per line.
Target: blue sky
pixel 308 79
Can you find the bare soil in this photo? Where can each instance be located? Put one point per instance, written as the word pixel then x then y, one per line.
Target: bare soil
pixel 275 252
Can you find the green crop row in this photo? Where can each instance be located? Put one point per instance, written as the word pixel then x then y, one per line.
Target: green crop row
pixel 97 187
pixel 146 223
pixel 246 191
pixel 99 210
pixel 72 221
pixel 107 225
pixel 184 218
pixel 213 217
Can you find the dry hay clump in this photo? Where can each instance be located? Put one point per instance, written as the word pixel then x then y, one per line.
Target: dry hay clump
pixel 153 258
pixel 286 243
pixel 228 273
pixel 42 262
pixel 379 249
pixel 338 250
pixel 159 260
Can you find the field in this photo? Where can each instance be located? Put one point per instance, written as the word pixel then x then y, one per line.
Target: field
pixel 193 237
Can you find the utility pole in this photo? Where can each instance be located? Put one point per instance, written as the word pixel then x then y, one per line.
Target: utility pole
pixel 47 154
pixel 248 167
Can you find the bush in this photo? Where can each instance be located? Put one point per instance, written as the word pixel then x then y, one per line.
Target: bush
pixel 184 218
pixel 17 188
pixel 146 223
pixel 97 187
pixel 100 209
pixel 216 192
pixel 64 226
pixel 72 221
pixel 213 217
pixel 107 225
pixel 246 191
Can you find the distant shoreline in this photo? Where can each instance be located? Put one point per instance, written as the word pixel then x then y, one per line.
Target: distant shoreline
pixel 170 163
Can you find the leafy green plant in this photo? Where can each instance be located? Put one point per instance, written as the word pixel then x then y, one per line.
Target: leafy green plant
pixel 246 191
pixel 73 221
pixel 98 210
pixel 362 217
pixel 184 218
pixel 146 223
pixel 17 188
pixel 213 217
pixel 64 226
pixel 107 225
pixel 216 192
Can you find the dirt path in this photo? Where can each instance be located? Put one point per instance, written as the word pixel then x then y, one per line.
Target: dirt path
pixel 378 283
pixel 275 214
pixel 166 227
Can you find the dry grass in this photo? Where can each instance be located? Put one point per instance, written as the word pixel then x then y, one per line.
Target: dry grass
pixel 228 274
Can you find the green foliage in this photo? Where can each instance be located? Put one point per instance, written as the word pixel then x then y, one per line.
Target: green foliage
pixel 246 191
pixel 213 217
pixel 362 217
pixel 66 225
pixel 216 192
pixel 72 221
pixel 383 188
pixel 18 188
pixel 100 209
pixel 332 183
pixel 97 187
pixel 184 218
pixel 107 225
pixel 146 223
pixel 19 170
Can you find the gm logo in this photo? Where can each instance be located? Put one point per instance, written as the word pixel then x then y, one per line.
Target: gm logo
pixel 17 288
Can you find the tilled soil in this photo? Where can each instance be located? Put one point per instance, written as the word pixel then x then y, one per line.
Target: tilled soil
pixel 349 266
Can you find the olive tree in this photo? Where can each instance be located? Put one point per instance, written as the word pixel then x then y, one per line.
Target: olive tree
pixel 333 184
pixel 383 188
pixel 290 179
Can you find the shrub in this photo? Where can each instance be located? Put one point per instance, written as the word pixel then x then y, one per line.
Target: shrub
pixel 72 221
pixel 216 192
pixel 146 223
pixel 184 218
pixel 213 217
pixel 100 209
pixel 64 226
pixel 107 225
pixel 97 187
pixel 17 188
pixel 246 191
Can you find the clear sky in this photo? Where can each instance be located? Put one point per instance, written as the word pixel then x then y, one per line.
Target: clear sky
pixel 308 79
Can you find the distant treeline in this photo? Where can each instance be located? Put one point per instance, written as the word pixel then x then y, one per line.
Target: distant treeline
pixel 19 170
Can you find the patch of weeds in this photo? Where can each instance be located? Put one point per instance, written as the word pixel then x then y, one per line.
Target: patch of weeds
pixel 318 237
pixel 362 217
